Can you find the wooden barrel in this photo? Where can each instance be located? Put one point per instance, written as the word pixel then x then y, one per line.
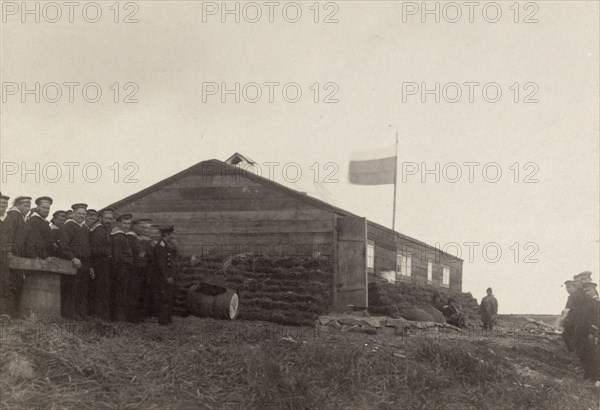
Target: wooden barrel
pixel 41 295
pixel 222 306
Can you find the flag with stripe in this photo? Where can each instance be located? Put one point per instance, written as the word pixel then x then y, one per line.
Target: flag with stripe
pixel 374 167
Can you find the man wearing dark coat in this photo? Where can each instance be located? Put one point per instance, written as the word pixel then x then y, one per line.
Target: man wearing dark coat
pixel 14 240
pixel 5 299
pixel 101 259
pixel 150 291
pixel 14 224
pixel 122 256
pixel 38 238
pixel 139 269
pixel 91 217
pixel 578 301
pixel 165 256
pixel 454 314
pixel 568 324
pixel 587 333
pixel 489 310
pixel 56 224
pixel 75 246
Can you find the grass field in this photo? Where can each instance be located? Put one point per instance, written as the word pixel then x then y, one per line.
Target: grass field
pixel 204 363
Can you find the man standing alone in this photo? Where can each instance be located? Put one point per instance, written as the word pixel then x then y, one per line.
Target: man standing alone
pixel 489 310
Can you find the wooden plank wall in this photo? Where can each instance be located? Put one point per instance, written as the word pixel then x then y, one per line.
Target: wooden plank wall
pixel 225 213
pixel 388 243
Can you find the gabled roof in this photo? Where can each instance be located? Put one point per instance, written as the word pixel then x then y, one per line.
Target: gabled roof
pixel 237 157
pixel 195 169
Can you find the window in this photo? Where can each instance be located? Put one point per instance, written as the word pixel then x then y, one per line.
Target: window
pixel 446 276
pixel 403 265
pixel 429 272
pixel 370 255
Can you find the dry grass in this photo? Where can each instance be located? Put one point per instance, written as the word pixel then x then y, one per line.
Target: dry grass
pixel 211 364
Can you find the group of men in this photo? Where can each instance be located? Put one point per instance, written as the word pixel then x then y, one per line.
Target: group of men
pixel 125 270
pixel 581 323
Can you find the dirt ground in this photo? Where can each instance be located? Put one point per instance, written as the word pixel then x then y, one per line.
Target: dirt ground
pixel 210 364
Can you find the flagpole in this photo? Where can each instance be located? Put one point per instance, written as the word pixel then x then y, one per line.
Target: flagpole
pixel 395 183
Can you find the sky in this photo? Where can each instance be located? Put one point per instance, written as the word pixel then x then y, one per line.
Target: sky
pixel 516 195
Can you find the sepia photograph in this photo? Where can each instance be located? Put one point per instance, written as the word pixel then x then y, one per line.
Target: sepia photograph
pixel 298 205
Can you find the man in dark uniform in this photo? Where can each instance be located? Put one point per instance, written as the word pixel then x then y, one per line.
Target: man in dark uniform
pixel 150 294
pixel 154 279
pixel 568 328
pixel 122 256
pixel 38 239
pixel 75 246
pixel 165 256
pixel 56 224
pixel 4 271
pixel 91 217
pixel 139 269
pixel 101 258
pixel 575 315
pixel 587 333
pixel 14 237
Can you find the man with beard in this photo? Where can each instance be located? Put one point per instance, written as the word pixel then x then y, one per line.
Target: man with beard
pixel 14 238
pixel 122 256
pixel 101 255
pixel 4 248
pixel 56 224
pixel 75 245
pixel 165 254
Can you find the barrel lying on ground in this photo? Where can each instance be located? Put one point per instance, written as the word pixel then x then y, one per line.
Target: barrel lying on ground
pixel 207 301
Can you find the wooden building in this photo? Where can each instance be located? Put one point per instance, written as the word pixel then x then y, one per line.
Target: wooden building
pixel 221 208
